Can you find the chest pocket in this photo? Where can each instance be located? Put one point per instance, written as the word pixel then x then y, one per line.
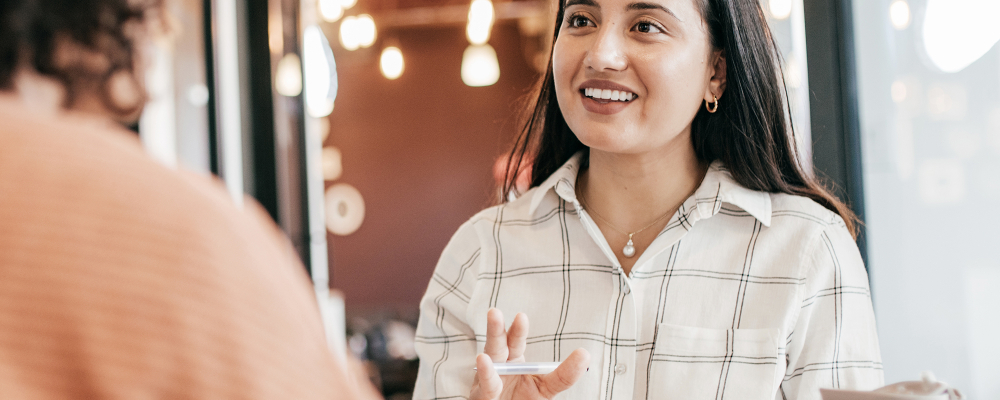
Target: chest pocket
pixel 713 364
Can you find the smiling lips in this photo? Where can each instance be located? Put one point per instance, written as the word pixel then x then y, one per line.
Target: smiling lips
pixel 607 94
pixel 605 97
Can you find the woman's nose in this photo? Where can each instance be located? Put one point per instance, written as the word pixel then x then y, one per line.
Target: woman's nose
pixel 607 52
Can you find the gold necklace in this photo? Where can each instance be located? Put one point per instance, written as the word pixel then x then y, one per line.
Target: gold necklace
pixel 629 249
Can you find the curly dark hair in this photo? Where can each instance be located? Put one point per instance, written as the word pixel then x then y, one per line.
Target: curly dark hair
pixel 36 34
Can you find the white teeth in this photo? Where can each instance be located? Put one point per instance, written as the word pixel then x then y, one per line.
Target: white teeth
pixel 604 94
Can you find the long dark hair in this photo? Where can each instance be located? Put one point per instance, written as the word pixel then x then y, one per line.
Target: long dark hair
pixel 749 133
pixel 32 31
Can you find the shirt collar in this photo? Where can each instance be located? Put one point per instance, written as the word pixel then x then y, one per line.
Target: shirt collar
pixel 563 181
pixel 718 187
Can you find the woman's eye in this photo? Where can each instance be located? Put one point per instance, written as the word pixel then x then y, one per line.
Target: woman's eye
pixel 578 21
pixel 647 27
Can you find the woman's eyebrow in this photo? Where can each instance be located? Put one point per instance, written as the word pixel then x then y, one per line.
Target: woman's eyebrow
pixel 651 6
pixel 591 3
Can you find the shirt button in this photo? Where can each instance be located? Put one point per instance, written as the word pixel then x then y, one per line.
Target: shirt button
pixel 620 369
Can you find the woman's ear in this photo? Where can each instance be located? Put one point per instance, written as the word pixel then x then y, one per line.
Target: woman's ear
pixel 717 71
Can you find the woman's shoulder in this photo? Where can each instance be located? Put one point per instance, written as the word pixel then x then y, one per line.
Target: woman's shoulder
pixel 784 204
pixel 804 216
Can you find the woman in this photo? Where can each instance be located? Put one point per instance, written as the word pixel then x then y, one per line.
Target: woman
pixel 120 278
pixel 671 242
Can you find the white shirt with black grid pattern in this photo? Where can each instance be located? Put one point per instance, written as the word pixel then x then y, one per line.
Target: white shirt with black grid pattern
pixel 743 295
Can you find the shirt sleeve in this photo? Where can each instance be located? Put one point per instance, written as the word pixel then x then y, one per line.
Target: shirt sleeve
pixel 834 343
pixel 446 342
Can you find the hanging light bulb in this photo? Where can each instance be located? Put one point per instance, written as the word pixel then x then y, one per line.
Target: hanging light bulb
pixel 349 33
pixel 391 62
pixel 480 66
pixel 366 31
pixel 480 21
pixel 331 10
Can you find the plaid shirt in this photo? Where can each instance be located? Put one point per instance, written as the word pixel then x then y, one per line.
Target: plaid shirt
pixel 743 295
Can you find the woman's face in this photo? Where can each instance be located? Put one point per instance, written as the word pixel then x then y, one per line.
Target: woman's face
pixel 653 57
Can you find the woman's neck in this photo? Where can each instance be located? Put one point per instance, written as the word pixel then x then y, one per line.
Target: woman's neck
pixel 633 190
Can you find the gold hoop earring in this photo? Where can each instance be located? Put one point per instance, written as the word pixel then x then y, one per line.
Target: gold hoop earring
pixel 712 107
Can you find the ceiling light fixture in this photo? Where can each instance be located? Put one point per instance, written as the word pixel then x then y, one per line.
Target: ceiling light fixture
pixel 480 66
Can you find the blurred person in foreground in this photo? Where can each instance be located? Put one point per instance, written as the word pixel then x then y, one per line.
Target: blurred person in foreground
pixel 119 278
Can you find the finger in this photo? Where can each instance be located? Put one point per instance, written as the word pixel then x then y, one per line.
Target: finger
pixel 496 336
pixel 490 384
pixel 568 372
pixel 517 338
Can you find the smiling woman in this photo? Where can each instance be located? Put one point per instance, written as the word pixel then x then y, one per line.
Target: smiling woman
pixel 671 240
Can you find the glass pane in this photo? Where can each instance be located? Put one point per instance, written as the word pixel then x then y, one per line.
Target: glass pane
pixel 930 118
pixel 787 22
pixel 174 124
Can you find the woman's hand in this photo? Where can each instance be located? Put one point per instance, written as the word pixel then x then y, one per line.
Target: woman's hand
pixel 508 346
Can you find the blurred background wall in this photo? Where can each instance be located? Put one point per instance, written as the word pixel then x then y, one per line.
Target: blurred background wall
pixel 421 150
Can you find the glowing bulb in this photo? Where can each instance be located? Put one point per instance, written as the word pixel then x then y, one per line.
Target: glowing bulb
pixel 391 62
pixel 288 79
pixel 781 9
pixel 899 13
pixel 349 33
pixel 320 72
pixel 480 66
pixel 480 22
pixel 365 28
pixel 347 4
pixel 330 10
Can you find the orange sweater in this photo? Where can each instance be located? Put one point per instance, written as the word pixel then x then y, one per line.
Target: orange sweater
pixel 122 279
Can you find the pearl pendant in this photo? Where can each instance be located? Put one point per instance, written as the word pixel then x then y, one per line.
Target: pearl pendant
pixel 629 249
